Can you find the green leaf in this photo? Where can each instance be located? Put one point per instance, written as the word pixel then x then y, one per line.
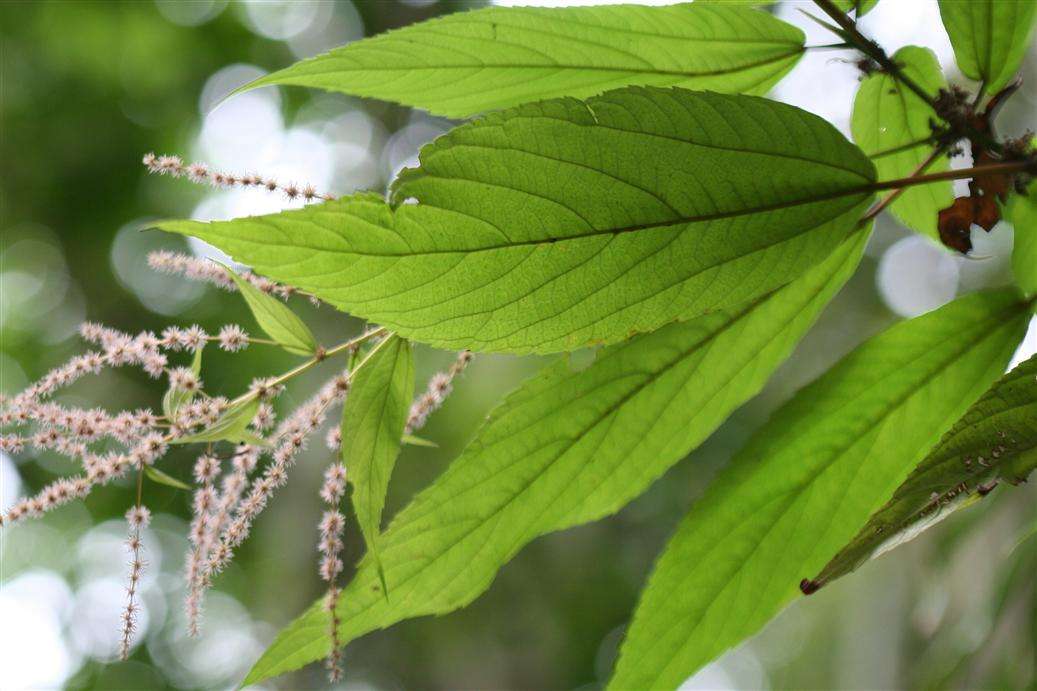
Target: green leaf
pixel 808 480
pixel 373 419
pixel 469 62
pixel 990 37
pixel 861 7
pixel 275 318
pixel 175 398
pixel 887 117
pixel 1022 212
pixel 562 224
pixel 414 440
pixel 162 478
pixel 230 426
pixel 995 441
pixel 566 448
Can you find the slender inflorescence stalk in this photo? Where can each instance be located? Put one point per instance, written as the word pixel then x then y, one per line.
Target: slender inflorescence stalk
pixel 439 387
pixel 208 271
pixel 138 518
pixel 331 528
pixel 206 469
pixel 204 174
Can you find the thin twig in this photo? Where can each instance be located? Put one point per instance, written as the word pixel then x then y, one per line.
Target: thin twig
pixel 872 49
pixel 892 197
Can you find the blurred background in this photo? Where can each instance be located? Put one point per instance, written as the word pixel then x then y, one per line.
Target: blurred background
pixel 87 88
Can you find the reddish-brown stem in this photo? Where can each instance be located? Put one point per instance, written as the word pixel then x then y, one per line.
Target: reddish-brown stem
pixel 993 168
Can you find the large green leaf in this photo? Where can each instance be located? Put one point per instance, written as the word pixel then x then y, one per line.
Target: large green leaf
pixel 887 117
pixel 1022 212
pixel 566 448
pixel 995 441
pixel 808 480
pixel 562 224
pixel 373 419
pixel 469 62
pixel 990 37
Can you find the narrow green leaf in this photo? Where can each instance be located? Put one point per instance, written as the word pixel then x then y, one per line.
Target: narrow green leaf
pixel 175 398
pixel 808 480
pixel 995 441
pixel 276 319
pixel 373 419
pixel 887 117
pixel 990 37
pixel 1022 212
pixel 566 448
pixel 162 478
pixel 231 426
pixel 563 224
pixel 469 62
pixel 413 440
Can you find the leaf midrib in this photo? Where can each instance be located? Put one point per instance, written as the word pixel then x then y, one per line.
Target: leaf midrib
pixel 331 69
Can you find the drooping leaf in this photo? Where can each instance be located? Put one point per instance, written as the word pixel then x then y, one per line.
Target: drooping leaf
pixel 175 398
pixel 561 224
pixel 1022 212
pixel 232 426
pixel 990 37
pixel 163 478
pixel 995 441
pixel 808 480
pixel 373 419
pixel 276 319
pixel 469 62
pixel 566 448
pixel 888 117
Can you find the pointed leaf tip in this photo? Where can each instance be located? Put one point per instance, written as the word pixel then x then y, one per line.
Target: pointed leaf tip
pixel 276 319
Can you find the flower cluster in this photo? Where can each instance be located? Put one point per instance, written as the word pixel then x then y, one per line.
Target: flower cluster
pixel 231 490
pixel 203 174
pixel 288 440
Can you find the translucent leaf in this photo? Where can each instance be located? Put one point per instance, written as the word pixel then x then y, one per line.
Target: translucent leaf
pixel 995 441
pixel 888 117
pixel 231 426
pixel 566 448
pixel 990 37
pixel 1022 212
pixel 373 419
pixel 807 481
pixel 162 478
pixel 562 224
pixel 276 319
pixel 175 398
pixel 861 7
pixel 469 62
